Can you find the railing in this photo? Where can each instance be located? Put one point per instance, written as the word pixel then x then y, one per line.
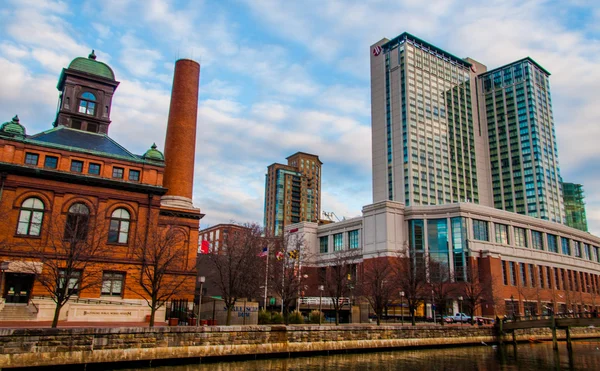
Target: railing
pixel 537 317
pixel 93 301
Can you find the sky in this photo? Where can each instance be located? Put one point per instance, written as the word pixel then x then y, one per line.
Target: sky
pixel 279 77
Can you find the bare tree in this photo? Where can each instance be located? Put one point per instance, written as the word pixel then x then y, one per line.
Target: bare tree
pixel 63 262
pixel 377 284
pixel 237 269
pixel 160 266
pixel 411 277
pixel 475 291
pixel 340 278
pixel 442 288
pixel 285 271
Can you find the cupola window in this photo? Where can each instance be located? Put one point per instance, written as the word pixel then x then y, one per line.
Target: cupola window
pixel 87 104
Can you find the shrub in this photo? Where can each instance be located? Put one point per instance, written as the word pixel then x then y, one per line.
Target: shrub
pixel 264 317
pixel 295 318
pixel 314 317
pixel 276 318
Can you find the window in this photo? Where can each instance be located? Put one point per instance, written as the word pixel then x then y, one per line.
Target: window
pixel 73 277
pixel 94 169
pixel 536 240
pixel 134 175
pixel 77 222
pixel 552 244
pixel 502 234
pixel 51 162
pixel 31 158
pixel 531 275
pixel 513 273
pixel 523 278
pixel 323 241
pixel 337 242
pixel 353 242
pixel 541 276
pixel 87 104
pixel 504 276
pixel 587 251
pixel 119 226
pixel 480 230
pixel 30 217
pixel 76 166
pixel 117 172
pixel 566 247
pixel 112 283
pixel 577 248
pixel 520 237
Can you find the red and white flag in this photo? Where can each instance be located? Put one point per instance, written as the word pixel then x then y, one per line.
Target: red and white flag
pixel 279 255
pixel 204 247
pixel 377 50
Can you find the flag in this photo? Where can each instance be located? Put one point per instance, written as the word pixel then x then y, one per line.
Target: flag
pixel 279 255
pixel 293 254
pixel 204 247
pixel 264 252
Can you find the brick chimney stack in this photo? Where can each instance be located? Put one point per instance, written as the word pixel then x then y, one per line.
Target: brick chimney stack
pixel 180 143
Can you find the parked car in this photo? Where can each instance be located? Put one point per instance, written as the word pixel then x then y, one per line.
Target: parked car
pixel 458 317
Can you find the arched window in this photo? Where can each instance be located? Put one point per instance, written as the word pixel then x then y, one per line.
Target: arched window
pixel 87 103
pixel 119 226
pixel 31 217
pixel 76 227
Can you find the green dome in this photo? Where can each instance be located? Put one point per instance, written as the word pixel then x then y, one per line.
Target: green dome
pixel 13 127
pixel 92 66
pixel 154 154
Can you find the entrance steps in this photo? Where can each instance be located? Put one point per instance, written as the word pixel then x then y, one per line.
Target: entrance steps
pixel 18 312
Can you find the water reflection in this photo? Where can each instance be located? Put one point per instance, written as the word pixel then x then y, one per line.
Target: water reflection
pixel 532 357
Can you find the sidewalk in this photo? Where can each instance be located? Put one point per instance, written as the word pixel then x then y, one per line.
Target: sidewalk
pixel 65 324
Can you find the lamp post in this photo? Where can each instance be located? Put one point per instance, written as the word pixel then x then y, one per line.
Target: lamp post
pixel 402 307
pixel 201 279
pixel 321 288
pixel 460 299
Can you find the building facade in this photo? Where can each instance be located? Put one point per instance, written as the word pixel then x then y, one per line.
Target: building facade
pixel 73 185
pixel 574 200
pixel 466 181
pixel 292 192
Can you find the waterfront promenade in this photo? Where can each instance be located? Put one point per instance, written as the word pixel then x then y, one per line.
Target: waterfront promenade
pixel 20 347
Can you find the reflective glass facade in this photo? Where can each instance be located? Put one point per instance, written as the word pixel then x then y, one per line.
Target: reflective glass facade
pixel 522 141
pixel 575 206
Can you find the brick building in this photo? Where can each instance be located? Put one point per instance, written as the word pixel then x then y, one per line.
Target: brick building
pixel 73 183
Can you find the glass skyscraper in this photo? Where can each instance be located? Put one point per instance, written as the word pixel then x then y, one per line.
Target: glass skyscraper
pixel 446 130
pixel 574 199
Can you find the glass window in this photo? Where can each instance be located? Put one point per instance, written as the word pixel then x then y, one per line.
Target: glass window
pixel 541 276
pixel 439 264
pixel 513 273
pixel 323 242
pixel 73 278
pixel 552 244
pixel 523 278
pixel 577 248
pixel 87 104
pixel 501 234
pixel 531 275
pixel 94 169
pixel 337 242
pixel 504 275
pixel 119 226
pixel 353 242
pixel 566 247
pixel 459 245
pixel 480 230
pixel 520 237
pixel 31 158
pixel 30 217
pixel 536 240
pixel 117 172
pixel 76 166
pixel 76 227
pixel 51 162
pixel 587 252
pixel 112 283
pixel 134 175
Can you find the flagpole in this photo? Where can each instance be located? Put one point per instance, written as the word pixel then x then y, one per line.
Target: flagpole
pixel 266 278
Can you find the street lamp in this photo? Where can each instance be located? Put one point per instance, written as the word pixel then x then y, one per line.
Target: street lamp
pixel 402 307
pixel 321 288
pixel 460 299
pixel 201 280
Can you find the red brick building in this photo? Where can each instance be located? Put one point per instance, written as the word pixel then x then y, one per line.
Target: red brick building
pixel 74 182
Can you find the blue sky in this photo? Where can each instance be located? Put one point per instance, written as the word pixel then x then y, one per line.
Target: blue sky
pixel 284 76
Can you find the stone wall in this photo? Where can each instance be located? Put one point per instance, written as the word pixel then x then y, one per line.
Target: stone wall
pixel 43 347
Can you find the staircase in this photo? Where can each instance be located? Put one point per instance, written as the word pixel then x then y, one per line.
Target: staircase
pixel 18 312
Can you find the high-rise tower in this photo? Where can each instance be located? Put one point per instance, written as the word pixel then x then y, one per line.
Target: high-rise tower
pixel 292 192
pixel 574 200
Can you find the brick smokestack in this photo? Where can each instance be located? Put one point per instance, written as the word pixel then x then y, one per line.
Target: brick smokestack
pixel 180 143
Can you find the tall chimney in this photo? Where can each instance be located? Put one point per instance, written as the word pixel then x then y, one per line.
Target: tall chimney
pixel 180 143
